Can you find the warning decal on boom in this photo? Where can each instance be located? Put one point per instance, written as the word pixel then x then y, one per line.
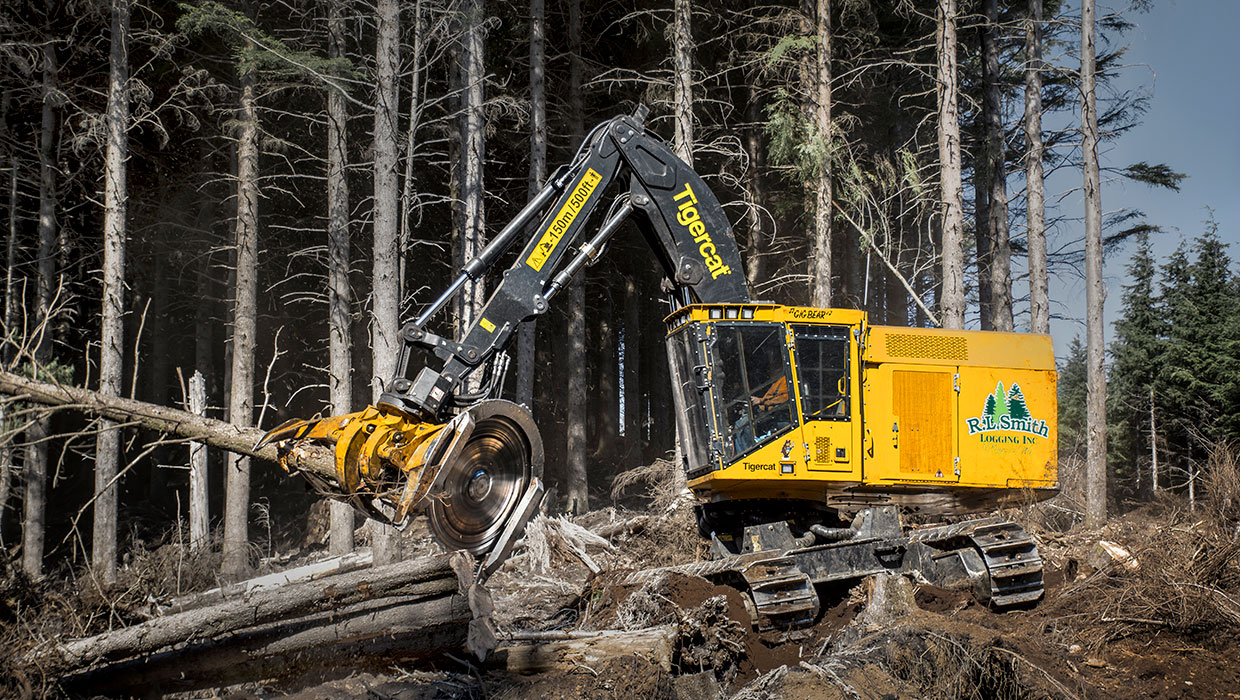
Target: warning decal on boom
pixel 551 237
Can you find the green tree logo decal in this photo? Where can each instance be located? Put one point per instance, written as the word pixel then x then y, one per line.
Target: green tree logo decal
pixel 1006 410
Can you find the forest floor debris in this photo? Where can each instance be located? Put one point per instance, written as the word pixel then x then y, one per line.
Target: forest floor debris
pixel 1165 627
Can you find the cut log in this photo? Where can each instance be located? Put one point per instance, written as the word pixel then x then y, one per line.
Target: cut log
pixel 368 635
pixel 425 578
pixel 576 650
pixel 234 438
pixel 345 563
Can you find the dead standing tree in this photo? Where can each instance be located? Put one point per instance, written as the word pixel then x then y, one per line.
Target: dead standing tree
pixel 951 298
pixel 112 340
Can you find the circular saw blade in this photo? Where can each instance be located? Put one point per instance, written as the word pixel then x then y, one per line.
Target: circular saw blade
pixel 482 486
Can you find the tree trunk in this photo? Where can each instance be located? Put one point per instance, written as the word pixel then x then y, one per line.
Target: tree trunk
pixel 527 335
pixel 245 320
pixel 981 230
pixel 424 577
pixel 199 497
pixel 633 434
pixel 35 462
pixel 473 152
pixel 992 107
pixel 339 294
pixel 568 651
pixel 606 400
pixel 820 275
pixel 407 196
pixel 10 316
pixel 577 488
pixel 385 299
pixel 1039 299
pixel 1095 290
pixel 755 185
pixel 334 644
pixel 951 219
pixel 1153 447
pixel 682 79
pixel 215 433
pixel 112 326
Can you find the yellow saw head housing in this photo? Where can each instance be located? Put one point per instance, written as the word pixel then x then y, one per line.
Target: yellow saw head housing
pixel 470 474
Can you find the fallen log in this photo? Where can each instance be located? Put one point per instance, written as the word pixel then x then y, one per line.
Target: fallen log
pixel 425 578
pixel 575 650
pixel 368 635
pixel 333 566
pixel 216 433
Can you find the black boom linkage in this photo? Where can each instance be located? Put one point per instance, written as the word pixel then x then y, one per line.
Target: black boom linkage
pixel 681 220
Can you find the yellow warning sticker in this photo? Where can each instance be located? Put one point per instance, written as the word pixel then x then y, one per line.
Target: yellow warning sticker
pixel 487 325
pixel 559 225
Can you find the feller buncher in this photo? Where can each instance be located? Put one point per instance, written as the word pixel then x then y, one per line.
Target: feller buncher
pixel 805 432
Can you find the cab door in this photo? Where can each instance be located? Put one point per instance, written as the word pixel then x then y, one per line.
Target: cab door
pixel 824 357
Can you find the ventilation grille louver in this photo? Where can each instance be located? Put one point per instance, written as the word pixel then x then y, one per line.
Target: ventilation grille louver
pixel 931 347
pixel 822 450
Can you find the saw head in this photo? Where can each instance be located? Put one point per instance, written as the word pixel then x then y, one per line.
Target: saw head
pixel 474 476
pixel 477 491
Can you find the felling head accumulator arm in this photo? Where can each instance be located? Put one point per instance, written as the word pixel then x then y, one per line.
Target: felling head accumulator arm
pixel 679 216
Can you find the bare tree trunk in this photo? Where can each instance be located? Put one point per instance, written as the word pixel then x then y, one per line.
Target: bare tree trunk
pixel 35 462
pixel 981 232
pixel 385 299
pixel 411 139
pixel 632 372
pixel 682 79
pixel 1095 290
pixel 951 217
pixel 473 147
pixel 756 248
pixel 1153 447
pixel 10 317
pixel 112 326
pixel 526 345
pixel 606 397
pixel 225 436
pixel 820 276
pixel 199 498
pixel 245 320
pixel 577 490
pixel 423 578
pixel 339 294
pixel 1035 198
pixel 1001 247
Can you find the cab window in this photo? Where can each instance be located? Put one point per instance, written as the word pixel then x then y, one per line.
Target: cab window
pixel 751 381
pixel 822 368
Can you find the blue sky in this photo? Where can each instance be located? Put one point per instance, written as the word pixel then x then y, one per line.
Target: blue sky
pixel 1183 55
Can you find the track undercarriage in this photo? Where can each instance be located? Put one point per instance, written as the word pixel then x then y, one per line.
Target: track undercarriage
pixel 995 559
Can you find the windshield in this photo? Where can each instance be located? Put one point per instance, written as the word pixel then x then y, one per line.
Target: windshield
pixel 684 355
pixel 751 378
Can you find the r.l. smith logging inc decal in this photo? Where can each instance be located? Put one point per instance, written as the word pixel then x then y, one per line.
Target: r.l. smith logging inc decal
pixel 1006 411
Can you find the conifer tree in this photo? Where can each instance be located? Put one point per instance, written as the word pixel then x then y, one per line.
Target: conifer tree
pixel 1072 392
pixel 1134 362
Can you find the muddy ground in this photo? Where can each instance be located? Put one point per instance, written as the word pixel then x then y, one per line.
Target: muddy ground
pixel 1148 607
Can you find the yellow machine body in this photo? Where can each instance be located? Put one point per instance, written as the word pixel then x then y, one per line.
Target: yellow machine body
pixel 937 420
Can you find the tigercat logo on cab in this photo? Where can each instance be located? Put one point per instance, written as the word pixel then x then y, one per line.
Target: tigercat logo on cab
pixel 688 216
pixel 751 467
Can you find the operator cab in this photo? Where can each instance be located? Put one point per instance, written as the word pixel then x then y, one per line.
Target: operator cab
pixel 765 397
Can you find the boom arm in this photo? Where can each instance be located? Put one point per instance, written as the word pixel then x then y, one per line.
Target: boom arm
pixel 677 213
pixel 477 473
